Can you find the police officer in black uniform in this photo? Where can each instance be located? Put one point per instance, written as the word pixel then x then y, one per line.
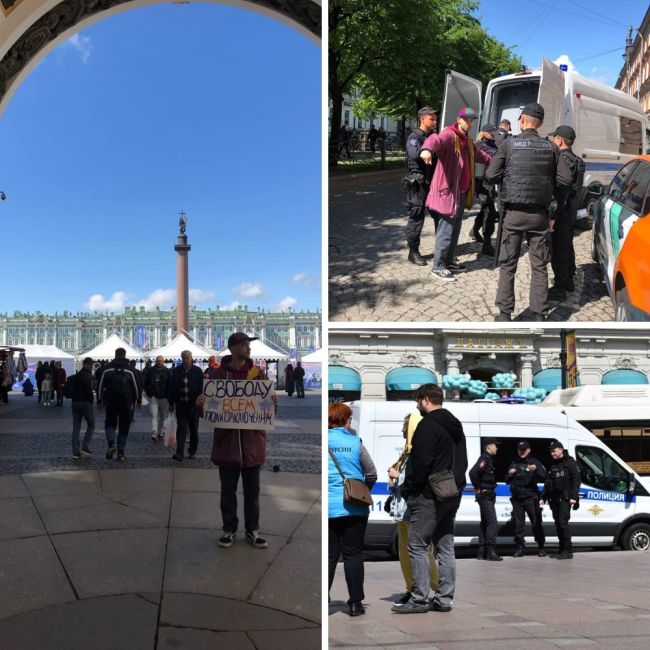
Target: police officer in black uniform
pixel 561 492
pixel 563 258
pixel 529 169
pixel 523 475
pixel 416 182
pixel 503 132
pixel 483 479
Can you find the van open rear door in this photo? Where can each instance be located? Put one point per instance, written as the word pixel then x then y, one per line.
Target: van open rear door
pixel 460 91
pixel 551 96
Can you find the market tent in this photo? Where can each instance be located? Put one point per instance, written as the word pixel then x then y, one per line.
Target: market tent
pixel 313 365
pixel 106 349
pixel 261 351
pixel 180 343
pixel 314 357
pixel 36 353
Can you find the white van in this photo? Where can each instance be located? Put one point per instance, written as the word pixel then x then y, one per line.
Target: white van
pixel 610 125
pixel 614 500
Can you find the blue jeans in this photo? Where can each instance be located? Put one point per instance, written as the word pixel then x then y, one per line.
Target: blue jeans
pixel 82 410
pixel 447 234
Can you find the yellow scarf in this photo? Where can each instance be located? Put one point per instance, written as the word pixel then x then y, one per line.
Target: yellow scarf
pixel 469 197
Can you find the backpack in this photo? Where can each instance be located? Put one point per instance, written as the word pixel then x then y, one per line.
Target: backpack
pixel 117 384
pixel 69 387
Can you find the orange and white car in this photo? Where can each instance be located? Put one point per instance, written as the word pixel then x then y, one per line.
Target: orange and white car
pixel 621 239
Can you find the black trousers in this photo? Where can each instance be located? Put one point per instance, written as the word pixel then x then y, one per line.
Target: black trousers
pixel 561 510
pixel 563 257
pixel 488 532
pixel 346 539
pixel 300 387
pixel 417 211
pixel 522 506
pixel 486 218
pixel 187 418
pixel 250 478
pixel 118 416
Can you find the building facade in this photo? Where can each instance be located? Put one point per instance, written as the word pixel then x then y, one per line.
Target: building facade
pixel 449 351
pixel 297 333
pixel 634 77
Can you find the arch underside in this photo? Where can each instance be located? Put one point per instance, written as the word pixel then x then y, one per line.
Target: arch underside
pixel 66 14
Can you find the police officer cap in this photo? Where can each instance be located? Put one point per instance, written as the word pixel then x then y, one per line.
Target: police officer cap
pixel 534 110
pixel 523 445
pixel 427 110
pixel 565 132
pixel 556 444
pixel 490 441
pixel 489 128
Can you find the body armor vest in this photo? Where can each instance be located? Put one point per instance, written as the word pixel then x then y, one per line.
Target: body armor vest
pixel 529 174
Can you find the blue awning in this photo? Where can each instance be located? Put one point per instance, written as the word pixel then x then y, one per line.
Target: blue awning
pixel 624 376
pixel 409 378
pixel 342 378
pixel 549 379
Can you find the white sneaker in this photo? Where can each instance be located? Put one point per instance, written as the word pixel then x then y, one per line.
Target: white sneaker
pixel 443 274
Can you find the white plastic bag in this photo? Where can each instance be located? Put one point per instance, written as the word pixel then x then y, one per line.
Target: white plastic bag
pixel 170 431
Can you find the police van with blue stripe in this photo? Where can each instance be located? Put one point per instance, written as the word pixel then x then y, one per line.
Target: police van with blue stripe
pixel 614 500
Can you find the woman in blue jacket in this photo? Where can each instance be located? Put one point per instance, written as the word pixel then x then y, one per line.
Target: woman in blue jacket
pixel 347 523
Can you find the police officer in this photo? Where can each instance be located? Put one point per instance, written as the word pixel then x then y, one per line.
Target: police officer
pixel 483 478
pixel 487 215
pixel 416 182
pixel 561 492
pixel 563 258
pixel 529 168
pixel 503 132
pixel 523 475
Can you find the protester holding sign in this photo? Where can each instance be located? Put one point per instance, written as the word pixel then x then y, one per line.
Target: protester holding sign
pixel 239 451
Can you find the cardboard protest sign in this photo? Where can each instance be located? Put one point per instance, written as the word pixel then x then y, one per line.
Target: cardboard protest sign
pixel 239 403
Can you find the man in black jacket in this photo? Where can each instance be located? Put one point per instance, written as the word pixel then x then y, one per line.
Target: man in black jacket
pixel 523 475
pixel 156 388
pixel 185 385
pixel 438 444
pixel 82 408
pixel 561 490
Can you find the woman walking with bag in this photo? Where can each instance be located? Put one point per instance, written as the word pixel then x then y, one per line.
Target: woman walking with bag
pixel 349 465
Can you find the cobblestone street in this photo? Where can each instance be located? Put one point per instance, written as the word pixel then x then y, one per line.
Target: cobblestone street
pixel 371 279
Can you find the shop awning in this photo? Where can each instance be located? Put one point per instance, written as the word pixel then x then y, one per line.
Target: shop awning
pixel 549 379
pixel 624 376
pixel 342 378
pixel 409 378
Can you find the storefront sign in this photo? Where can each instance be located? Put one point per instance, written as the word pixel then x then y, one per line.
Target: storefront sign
pixel 239 403
pixel 488 343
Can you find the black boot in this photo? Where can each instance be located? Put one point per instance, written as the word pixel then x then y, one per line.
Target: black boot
pixel 492 555
pixel 476 235
pixel 503 317
pixel 519 551
pixel 541 552
pixel 416 258
pixel 480 553
pixel 487 249
pixel 356 608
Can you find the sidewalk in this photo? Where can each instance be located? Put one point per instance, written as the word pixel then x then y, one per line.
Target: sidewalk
pixel 128 558
pixel 597 600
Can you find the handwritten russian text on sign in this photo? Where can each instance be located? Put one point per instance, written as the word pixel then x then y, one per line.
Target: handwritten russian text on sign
pixel 239 403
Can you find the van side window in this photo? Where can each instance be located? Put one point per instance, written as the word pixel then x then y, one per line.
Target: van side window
pixel 636 187
pixel 631 136
pixel 507 452
pixel 619 181
pixel 600 470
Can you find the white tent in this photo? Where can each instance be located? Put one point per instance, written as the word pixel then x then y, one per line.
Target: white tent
pixel 260 351
pixel 106 349
pixel 36 353
pixel 182 342
pixel 313 357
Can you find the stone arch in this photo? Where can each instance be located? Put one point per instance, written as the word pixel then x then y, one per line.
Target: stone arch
pixel 31 29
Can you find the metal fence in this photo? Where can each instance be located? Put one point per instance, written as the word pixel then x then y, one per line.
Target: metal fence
pixel 360 155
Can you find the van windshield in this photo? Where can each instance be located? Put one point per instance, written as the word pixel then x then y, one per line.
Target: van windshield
pixel 508 99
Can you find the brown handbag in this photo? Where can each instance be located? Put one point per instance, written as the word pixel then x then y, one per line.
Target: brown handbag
pixel 355 492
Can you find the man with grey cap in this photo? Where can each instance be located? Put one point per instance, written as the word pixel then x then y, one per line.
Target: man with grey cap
pixel 416 182
pixel 529 169
pixel 523 475
pixel 483 478
pixel 563 258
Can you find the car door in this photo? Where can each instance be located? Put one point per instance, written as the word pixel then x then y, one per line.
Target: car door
pixel 461 91
pixel 551 96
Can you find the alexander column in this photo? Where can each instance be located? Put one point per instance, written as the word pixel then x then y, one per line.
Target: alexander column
pixel 182 281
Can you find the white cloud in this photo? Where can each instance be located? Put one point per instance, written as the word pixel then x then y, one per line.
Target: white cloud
pixel 82 44
pixel 201 296
pixel 285 304
pixel 564 59
pixel 299 277
pixel 116 302
pixel 232 306
pixel 249 289
pixel 158 298
pixel 305 279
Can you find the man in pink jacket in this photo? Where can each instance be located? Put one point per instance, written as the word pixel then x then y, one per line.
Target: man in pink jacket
pixel 452 187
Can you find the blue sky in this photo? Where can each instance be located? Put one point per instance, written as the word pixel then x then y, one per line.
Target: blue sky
pixel 579 29
pixel 209 109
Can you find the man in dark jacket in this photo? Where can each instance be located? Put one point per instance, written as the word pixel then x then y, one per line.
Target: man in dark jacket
pixel 438 444
pixel 239 452
pixel 118 389
pixel 483 478
pixel 185 385
pixel 39 375
pixel 523 475
pixel 561 490
pixel 156 388
pixel 299 380
pixel 487 215
pixel 82 408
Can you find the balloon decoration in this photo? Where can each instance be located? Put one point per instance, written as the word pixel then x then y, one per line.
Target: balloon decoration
pixel 471 388
pixel 492 396
pixel 532 395
pixel 503 380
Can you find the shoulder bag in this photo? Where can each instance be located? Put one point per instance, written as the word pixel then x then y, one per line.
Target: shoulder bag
pixel 443 484
pixel 355 492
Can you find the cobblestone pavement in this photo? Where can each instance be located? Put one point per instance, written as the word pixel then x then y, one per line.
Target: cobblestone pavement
pixel 34 438
pixel 371 279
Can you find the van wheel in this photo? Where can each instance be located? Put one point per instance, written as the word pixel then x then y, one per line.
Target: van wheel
pixel 636 538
